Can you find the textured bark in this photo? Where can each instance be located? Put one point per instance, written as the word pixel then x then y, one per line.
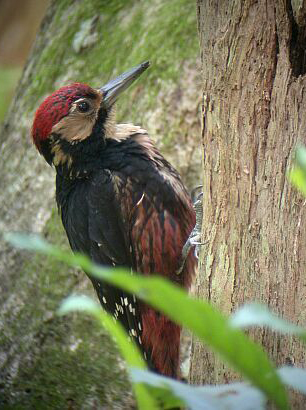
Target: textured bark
pixel 254 113
pixel 67 362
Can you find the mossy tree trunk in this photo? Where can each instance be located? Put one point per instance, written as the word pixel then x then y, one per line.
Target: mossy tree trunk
pixel 69 363
pixel 254 114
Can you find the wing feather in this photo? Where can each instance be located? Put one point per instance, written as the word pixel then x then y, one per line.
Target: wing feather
pixel 110 246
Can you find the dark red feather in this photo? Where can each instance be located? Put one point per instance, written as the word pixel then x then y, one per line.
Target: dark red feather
pixel 158 237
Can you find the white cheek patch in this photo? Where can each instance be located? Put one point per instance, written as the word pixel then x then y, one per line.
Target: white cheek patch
pixel 75 127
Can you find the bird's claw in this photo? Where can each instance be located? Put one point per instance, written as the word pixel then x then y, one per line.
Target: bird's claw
pixel 194 240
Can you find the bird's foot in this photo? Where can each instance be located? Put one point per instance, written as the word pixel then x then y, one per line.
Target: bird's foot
pixel 194 240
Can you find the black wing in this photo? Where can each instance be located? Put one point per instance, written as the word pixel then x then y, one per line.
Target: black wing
pixel 109 245
pixel 96 227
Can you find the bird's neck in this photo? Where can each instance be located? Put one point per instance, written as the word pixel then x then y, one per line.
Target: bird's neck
pixel 79 160
pixel 79 167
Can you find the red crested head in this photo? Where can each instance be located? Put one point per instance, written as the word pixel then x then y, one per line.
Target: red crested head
pixel 55 107
pixel 78 116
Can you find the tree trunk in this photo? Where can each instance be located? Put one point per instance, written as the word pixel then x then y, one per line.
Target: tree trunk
pixel 68 362
pixel 254 113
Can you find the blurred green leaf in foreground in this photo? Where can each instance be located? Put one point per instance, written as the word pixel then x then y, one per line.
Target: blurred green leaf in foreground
pixel 297 175
pixel 205 321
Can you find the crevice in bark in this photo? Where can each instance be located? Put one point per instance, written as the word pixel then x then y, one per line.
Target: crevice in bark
pixel 273 76
pixel 283 180
pixel 276 54
pixel 297 44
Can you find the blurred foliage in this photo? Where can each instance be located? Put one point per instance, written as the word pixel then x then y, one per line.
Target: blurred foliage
pixel 60 362
pixel 297 175
pixel 222 334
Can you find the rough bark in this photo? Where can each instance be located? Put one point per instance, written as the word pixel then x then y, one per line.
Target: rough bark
pixel 254 113
pixel 68 362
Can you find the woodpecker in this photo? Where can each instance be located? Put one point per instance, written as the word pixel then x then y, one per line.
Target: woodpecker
pixel 121 203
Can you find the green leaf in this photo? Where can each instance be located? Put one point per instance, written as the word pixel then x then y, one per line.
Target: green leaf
pixel 298 178
pixel 209 325
pixel 127 348
pixel 300 157
pixel 297 175
pixel 80 303
pixel 199 316
pixel 223 397
pixel 254 314
pixel 295 377
pixel 160 390
pixel 31 242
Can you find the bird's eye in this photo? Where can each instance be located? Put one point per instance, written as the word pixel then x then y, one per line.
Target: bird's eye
pixel 83 106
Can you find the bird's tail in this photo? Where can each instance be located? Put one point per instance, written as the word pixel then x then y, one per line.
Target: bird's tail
pixel 161 342
pixel 161 336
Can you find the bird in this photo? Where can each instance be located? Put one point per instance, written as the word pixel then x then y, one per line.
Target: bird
pixel 121 203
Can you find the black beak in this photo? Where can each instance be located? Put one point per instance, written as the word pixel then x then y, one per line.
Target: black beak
pixel 114 88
